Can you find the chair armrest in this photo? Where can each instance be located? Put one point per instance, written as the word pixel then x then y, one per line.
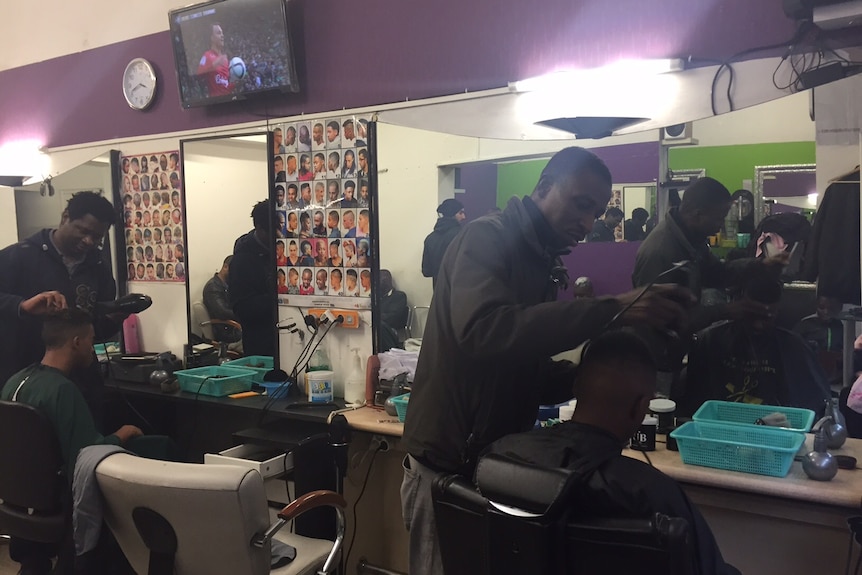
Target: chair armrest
pixel 228 322
pixel 309 501
pixel 312 500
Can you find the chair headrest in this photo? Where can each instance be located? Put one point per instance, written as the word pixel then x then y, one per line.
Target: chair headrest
pixel 533 489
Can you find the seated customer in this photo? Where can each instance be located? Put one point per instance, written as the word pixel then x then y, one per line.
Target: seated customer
pixel 393 312
pixel 823 331
pixel 217 301
pixel 68 338
pixel 750 360
pixel 615 382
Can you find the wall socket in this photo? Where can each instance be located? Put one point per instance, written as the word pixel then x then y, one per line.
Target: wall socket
pixel 381 442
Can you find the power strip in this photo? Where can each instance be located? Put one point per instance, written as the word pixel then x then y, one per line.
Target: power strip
pixel 351 317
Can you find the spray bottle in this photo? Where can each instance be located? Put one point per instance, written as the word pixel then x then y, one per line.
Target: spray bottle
pixel 354 385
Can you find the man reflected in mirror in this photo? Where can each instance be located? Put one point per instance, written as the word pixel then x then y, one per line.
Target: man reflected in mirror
pixel 252 285
pixel 603 228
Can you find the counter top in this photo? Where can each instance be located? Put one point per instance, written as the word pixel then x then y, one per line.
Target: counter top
pixel 373 420
pixel 845 490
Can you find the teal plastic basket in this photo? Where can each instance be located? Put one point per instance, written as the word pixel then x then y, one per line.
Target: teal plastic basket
pixel 215 380
pixel 400 402
pixel 800 420
pixel 259 364
pixel 746 448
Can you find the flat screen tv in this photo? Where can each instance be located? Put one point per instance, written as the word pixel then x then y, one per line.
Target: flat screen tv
pixel 228 49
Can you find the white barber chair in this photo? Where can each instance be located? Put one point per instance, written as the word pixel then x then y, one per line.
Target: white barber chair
pixel 193 519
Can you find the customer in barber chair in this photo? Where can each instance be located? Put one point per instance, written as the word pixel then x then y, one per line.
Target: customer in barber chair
pixel 615 382
pixel 68 338
pixel 750 360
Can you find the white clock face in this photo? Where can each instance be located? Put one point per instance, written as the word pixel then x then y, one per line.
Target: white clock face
pixel 139 83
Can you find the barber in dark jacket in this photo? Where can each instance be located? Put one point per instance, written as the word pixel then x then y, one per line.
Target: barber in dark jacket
pixel 252 284
pixel 447 227
pixel 493 326
pixel 616 381
pixel 682 235
pixel 51 270
pixel 217 301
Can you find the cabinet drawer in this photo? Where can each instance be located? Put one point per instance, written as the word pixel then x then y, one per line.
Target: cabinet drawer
pixel 267 461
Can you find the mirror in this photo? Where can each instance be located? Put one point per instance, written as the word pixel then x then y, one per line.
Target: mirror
pixel 786 189
pixel 223 179
pixel 726 147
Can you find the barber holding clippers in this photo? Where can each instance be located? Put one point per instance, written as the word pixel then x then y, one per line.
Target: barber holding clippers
pixel 51 270
pixel 485 364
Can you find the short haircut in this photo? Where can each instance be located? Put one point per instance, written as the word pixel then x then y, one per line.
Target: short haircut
pixel 84 203
pixel 59 328
pixel 280 243
pixel 351 272
pixel 320 156
pixel 363 153
pixel 334 125
pixel 760 284
pixel 614 213
pixel 640 214
pixel 349 185
pixel 227 260
pixel 291 129
pixel 260 215
pixel 363 213
pixel 570 161
pixel 347 122
pixel 335 271
pixel 175 156
pixel 616 348
pixel 292 187
pixel 292 272
pixel 704 194
pixel 135 161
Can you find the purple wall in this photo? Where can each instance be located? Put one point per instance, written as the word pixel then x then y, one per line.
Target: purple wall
pixel 384 51
pixel 608 264
pixel 790 184
pixel 479 182
pixel 631 163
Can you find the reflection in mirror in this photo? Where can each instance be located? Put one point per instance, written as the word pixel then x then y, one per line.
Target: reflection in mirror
pixel 786 189
pixel 224 179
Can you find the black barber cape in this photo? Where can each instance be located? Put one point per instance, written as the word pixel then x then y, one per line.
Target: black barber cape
pixel 620 487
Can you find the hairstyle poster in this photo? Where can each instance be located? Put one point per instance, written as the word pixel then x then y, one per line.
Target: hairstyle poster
pixel 153 215
pixel 323 237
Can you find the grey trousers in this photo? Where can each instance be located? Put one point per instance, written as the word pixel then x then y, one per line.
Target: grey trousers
pixel 418 512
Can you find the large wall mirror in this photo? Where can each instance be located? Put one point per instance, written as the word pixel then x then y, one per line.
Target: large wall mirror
pixel 727 147
pixel 224 178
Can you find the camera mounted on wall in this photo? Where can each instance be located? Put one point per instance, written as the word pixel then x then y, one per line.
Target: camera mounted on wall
pixel 46 188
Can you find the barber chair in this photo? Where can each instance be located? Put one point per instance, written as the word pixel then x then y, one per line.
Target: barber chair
pixel 202 326
pixel 35 499
pixel 520 521
pixel 189 519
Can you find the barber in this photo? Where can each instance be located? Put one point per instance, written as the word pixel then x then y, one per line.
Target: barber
pixel 682 236
pixel 494 324
pixel 49 271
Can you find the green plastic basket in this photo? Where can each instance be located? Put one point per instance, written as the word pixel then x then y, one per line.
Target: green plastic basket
pixel 259 364
pixel 215 380
pixel 746 448
pixel 400 402
pixel 747 413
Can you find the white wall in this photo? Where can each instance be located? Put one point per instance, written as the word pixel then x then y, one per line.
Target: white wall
pixel 8 220
pixel 37 31
pixel 224 179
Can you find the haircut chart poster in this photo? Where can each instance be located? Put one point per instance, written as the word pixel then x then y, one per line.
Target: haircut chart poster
pixel 323 238
pixel 152 198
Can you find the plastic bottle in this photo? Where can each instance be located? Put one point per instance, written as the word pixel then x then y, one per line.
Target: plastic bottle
pixel 319 362
pixel 354 386
pixel 130 334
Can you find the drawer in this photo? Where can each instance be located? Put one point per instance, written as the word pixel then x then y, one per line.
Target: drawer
pixel 266 460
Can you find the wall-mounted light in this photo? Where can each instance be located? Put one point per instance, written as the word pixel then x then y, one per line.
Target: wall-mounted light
pixel 624 89
pixel 626 70
pixel 23 158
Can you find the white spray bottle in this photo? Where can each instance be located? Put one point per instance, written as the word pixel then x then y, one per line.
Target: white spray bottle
pixel 354 385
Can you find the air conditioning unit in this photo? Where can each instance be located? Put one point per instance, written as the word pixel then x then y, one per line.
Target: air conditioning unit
pixel 826 14
pixel 677 135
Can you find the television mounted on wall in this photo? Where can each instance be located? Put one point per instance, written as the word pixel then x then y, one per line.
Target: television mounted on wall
pixel 227 50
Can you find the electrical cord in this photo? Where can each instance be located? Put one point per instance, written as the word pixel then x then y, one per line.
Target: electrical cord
pixel 358 499
pixel 798 35
pixel 125 398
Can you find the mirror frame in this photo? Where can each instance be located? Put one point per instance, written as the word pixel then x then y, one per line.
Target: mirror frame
pixel 759 175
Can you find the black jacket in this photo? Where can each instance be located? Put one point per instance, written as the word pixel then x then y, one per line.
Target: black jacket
pixel 832 255
pixel 720 368
pixel 619 487
pixel 34 266
pixel 217 301
pixel 601 233
pixel 666 245
pixel 492 328
pixel 252 290
pixel 436 243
